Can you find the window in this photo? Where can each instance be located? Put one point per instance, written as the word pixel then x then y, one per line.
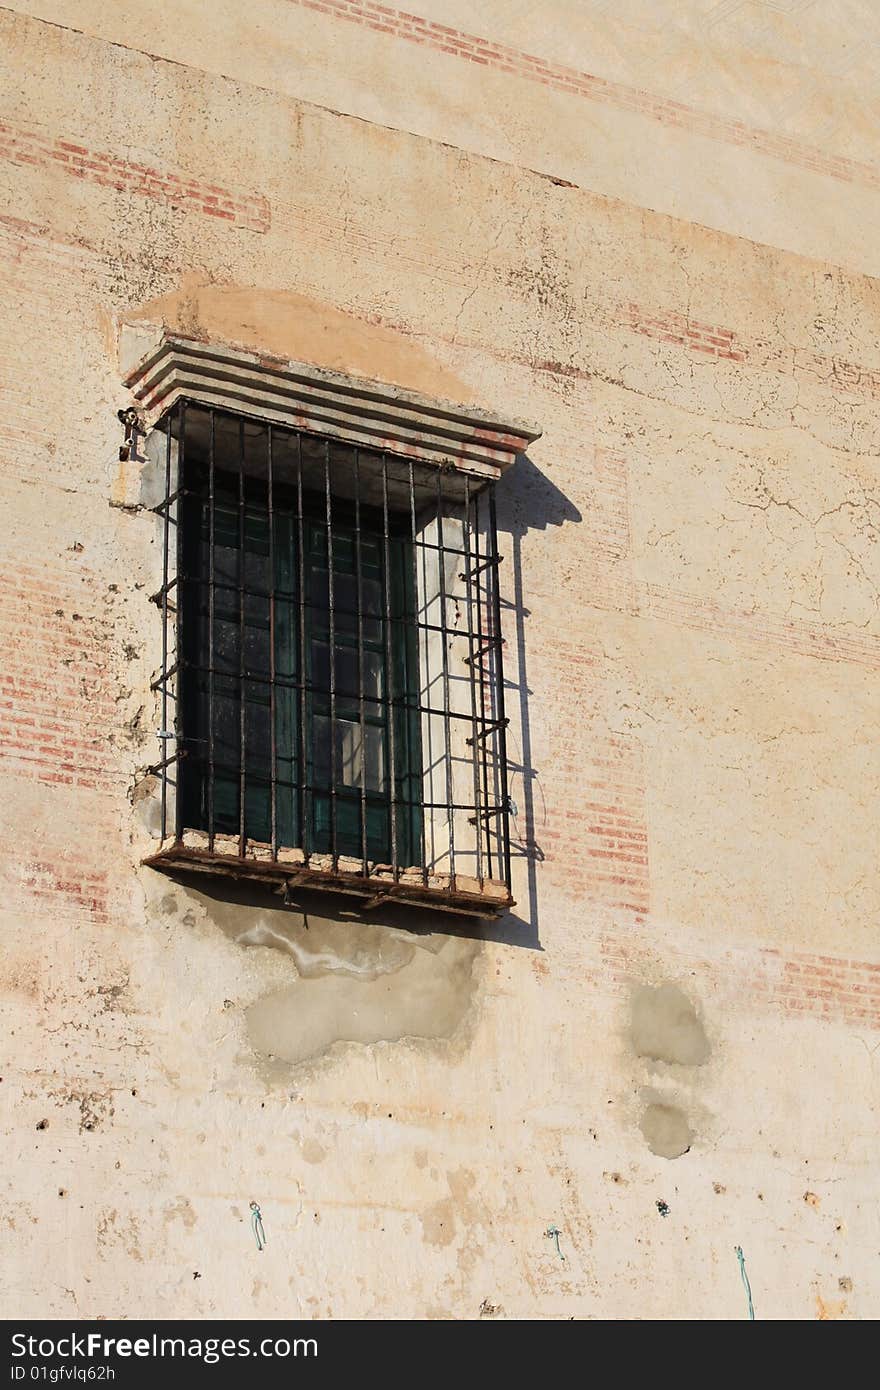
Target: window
pixel 331 690
pixel 299 688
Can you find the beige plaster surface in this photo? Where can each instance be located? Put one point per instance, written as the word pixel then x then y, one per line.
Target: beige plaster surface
pixel 798 69
pixel 693 643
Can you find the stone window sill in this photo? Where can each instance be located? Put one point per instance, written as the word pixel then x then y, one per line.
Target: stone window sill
pixel 290 870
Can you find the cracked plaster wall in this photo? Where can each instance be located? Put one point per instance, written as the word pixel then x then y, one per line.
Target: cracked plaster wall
pixel 681 1008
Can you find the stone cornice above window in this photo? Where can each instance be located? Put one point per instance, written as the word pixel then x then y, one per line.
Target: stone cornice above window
pixel 371 414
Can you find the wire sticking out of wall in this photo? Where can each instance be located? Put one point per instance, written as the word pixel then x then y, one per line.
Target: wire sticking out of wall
pixel 745 1278
pixel 553 1233
pixel 257 1226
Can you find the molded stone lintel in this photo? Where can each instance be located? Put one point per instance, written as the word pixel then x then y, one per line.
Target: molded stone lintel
pixel 370 414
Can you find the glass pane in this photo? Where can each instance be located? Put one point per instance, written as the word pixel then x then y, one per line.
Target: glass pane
pixel 227 730
pixel 225 644
pixel 350 750
pixel 345 550
pixel 257 734
pixel 374 677
pixel 256 637
pixel 225 556
pixel 345 674
pixel 345 600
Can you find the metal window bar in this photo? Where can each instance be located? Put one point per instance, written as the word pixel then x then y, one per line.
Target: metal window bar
pixel 273 732
pixel 359 602
pixel 302 800
pixel 242 634
pixel 179 730
pixel 447 742
pixel 405 510
pixel 211 610
pixel 391 762
pixel 331 657
pixel 469 659
pixel 163 732
pixel 414 618
pixel 497 688
pixel 477 572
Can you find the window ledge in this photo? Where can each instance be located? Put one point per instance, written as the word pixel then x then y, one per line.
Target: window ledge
pixel 370 414
pixel 289 869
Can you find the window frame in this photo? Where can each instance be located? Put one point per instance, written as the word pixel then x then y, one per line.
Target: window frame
pixel 309 820
pixel 465 451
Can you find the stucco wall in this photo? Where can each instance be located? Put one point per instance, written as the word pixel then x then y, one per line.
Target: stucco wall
pixel 684 1006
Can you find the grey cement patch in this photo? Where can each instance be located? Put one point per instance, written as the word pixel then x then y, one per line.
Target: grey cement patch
pixel 426 996
pixel 360 949
pixel 666 1130
pixel 353 980
pixel 665 1027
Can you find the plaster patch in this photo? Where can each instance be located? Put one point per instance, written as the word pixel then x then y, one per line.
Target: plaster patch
pixel 293 326
pixel 180 1210
pixel 439 1219
pixel 666 1130
pixel 312 1151
pixel 328 947
pixel 425 996
pixel 350 979
pixel 665 1027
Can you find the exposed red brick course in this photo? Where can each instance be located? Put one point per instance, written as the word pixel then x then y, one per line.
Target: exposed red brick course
pixel 485 53
pixel 594 835
pixel 56 710
pixel 670 327
pixel 18 146
pixel 83 893
pixel 836 373
pixel 799 636
pixel 791 984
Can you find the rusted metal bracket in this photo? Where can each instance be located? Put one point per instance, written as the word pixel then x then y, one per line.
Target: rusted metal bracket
pixel 131 422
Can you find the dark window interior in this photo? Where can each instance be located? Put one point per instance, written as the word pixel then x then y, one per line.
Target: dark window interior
pixel 297 618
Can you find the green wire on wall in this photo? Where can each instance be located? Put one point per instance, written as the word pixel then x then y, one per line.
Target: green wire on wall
pixel 745 1278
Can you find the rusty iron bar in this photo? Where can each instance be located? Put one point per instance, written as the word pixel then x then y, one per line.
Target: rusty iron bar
pixel 498 694
pixel 343 493
pixel 179 729
pixel 359 603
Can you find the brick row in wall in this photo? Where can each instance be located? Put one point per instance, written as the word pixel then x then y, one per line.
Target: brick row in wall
pixel 705 341
pixel 789 984
pixel 851 378
pixel 678 329
pixel 76 892
pixel 712 341
pixel 56 709
pixel 593 834
pixel 78 161
pixel 607 576
pixel 46 281
pixel 829 987
pixel 485 53
pixel 801 636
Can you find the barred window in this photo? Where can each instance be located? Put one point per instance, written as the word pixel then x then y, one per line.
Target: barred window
pixel 331 686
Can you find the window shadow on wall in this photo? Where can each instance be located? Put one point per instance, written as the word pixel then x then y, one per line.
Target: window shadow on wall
pixel 527 501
